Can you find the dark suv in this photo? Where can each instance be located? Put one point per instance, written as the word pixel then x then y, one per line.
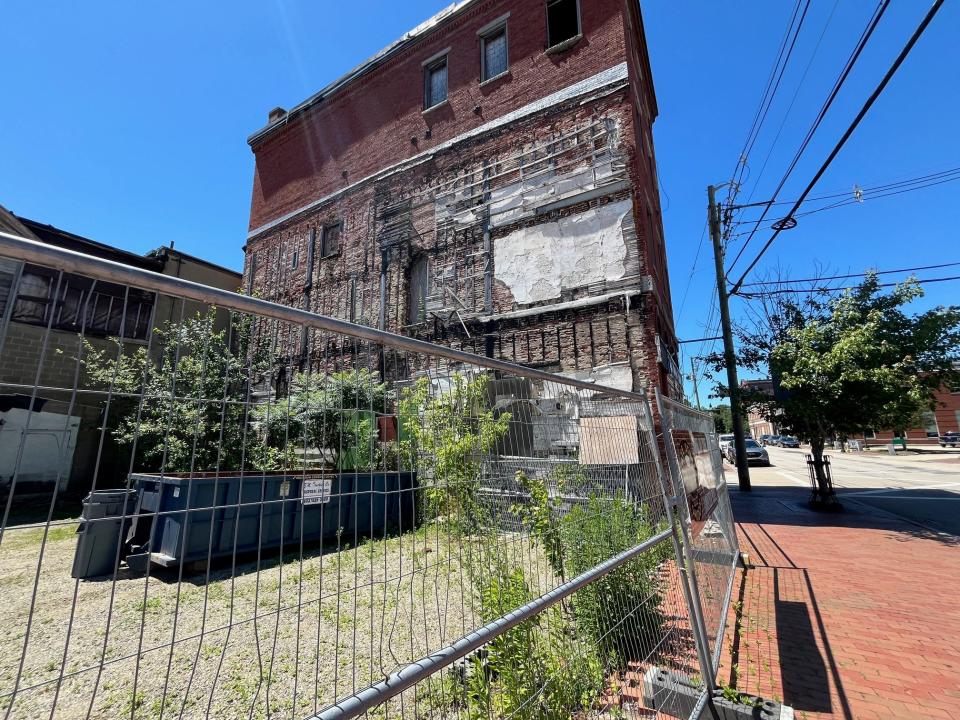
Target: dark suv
pixel 951 439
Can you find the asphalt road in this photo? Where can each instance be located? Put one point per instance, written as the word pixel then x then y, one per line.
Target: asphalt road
pixel 924 490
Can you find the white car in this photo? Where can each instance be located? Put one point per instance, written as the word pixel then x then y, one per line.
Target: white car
pixel 725 442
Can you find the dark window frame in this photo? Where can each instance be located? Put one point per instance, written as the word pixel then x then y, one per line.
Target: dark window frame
pixel 80 305
pixel 488 33
pixel 325 251
pixel 440 60
pixel 557 45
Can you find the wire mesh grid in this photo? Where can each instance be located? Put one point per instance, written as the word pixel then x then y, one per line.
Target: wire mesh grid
pixel 195 524
pixel 693 452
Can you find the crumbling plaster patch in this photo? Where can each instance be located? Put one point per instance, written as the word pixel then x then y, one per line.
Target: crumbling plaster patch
pixel 537 263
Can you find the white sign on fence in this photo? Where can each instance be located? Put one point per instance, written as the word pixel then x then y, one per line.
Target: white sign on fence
pixel 316 489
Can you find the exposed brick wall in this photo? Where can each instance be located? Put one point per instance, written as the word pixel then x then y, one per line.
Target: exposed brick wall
pixel 620 330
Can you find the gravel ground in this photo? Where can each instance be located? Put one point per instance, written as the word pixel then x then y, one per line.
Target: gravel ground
pixel 283 641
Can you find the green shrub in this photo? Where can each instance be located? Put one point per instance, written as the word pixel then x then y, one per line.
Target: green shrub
pixel 448 434
pixel 334 412
pixel 619 612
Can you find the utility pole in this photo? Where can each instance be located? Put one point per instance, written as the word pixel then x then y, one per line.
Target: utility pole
pixel 693 377
pixel 736 412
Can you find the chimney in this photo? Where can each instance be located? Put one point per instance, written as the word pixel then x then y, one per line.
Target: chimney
pixel 276 114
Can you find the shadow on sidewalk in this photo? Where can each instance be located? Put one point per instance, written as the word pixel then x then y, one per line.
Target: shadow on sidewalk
pixel 863 508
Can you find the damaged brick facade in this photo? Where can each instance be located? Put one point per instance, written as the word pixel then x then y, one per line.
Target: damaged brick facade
pixel 518 218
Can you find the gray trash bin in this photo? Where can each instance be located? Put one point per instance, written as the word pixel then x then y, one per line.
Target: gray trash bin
pixel 106 518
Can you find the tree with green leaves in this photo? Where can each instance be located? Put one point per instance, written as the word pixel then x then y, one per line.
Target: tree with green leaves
pixel 846 362
pixel 184 409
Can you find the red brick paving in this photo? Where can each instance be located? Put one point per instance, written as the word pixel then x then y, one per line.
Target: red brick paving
pixel 848 615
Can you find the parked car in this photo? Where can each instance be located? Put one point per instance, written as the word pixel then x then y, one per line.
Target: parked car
pixel 755 453
pixel 769 439
pixel 787 441
pixel 950 439
pixel 725 441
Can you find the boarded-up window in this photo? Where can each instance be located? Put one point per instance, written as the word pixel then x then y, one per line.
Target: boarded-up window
pixel 331 240
pixel 419 289
pixel 494 52
pixel 435 82
pixel 609 440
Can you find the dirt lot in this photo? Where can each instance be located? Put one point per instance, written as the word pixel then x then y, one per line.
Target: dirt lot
pixel 281 642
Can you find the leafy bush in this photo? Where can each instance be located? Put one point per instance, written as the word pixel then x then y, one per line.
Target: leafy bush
pixel 582 538
pixel 619 612
pixel 448 434
pixel 336 413
pixel 537 669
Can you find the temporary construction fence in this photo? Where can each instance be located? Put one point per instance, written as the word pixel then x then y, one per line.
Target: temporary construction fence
pixel 228 526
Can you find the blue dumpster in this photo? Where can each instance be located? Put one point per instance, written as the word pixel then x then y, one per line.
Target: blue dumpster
pixel 184 519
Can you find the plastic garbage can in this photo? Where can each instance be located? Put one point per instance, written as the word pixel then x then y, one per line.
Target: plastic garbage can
pixel 107 515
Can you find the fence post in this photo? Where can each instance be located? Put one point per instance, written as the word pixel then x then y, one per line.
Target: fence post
pixel 684 560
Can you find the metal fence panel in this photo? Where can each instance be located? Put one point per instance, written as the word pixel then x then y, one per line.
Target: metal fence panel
pixel 379 525
pixel 696 466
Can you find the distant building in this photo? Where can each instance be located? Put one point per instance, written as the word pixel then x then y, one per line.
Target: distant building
pixel 486 182
pixel 759 424
pixel 33 298
pixel 945 417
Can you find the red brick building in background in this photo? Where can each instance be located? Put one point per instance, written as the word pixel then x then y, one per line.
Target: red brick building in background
pixel 488 182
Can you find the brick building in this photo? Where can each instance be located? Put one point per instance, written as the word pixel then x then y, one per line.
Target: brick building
pixel 945 417
pixel 487 181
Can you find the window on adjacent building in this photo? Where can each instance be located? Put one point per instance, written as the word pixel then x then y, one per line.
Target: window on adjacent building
pixel 330 243
pixel 78 304
pixel 494 58
pixel 295 259
pixel 435 82
pixel 929 423
pixel 563 21
pixel 8 273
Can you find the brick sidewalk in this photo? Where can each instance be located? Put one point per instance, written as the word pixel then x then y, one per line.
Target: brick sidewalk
pixel 848 615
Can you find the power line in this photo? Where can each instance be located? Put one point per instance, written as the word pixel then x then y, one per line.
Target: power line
pixel 793 100
pixel 693 270
pixel 929 179
pixel 785 291
pixel 770 91
pixel 846 135
pixel 853 275
pixel 844 74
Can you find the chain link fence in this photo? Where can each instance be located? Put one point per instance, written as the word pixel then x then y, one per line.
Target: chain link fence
pixel 245 510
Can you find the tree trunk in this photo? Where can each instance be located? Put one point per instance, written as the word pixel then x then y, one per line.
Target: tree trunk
pixel 816 449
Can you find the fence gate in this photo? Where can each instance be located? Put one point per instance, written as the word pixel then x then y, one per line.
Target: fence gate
pixel 272 513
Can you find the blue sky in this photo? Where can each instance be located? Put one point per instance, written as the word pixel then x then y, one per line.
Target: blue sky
pixel 127 122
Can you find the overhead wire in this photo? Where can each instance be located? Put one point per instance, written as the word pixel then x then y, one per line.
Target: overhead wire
pixel 793 100
pixel 835 90
pixel 853 275
pixel 693 270
pixel 931 13
pixel 802 291
pixel 770 90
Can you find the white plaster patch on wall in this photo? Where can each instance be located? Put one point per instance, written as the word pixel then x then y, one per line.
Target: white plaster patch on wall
pixel 615 375
pixel 539 262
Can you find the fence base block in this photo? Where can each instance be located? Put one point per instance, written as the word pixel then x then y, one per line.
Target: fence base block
pixel 676 694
